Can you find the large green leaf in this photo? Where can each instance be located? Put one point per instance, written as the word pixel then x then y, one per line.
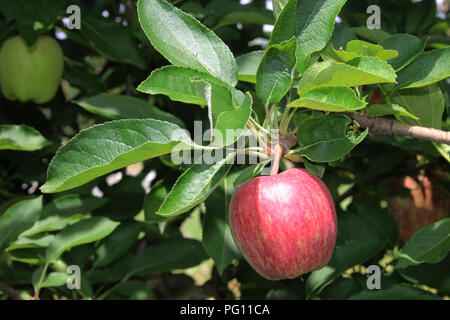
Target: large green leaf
pixel 311 22
pixel 175 82
pixel 117 243
pixel 324 138
pixel 112 39
pixel 39 241
pixel 60 212
pixel 426 103
pixel 248 65
pixel 229 111
pixel 358 48
pixel 18 218
pixel 235 120
pixel 116 107
pixel 429 68
pixel 332 99
pixel 153 200
pixel 54 279
pixel 430 244
pixel 184 41
pixel 408 46
pixel 275 72
pixel 21 137
pixel 433 275
pixel 79 233
pixel 374 35
pixel 249 172
pixel 357 72
pixel 166 256
pixel 110 146
pixel 217 238
pixel 195 185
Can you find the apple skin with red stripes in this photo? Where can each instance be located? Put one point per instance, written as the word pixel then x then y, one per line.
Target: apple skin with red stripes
pixel 284 225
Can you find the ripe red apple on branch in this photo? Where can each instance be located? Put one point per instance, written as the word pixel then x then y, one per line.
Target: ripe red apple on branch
pixel 284 224
pixel 426 203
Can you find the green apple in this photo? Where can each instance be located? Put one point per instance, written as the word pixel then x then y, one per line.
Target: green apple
pixel 31 73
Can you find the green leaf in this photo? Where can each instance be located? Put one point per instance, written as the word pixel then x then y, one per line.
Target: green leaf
pixel 249 173
pixel 117 244
pixel 34 242
pixel 248 65
pixel 341 36
pixel 18 218
pixel 275 72
pixel 217 239
pixel 60 212
pixel 112 40
pixel 359 244
pixel 429 68
pixel 324 138
pixel 311 22
pixel 425 103
pixel 374 35
pixel 55 279
pixel 175 82
pixel 342 289
pixel 433 275
pixel 408 46
pixel 21 137
pixel 79 233
pixel 235 120
pixel 333 99
pixel 315 169
pixel 278 6
pixel 166 256
pixel 358 48
pixel 153 200
pixel 195 185
pixel 246 15
pixel 395 292
pixel 430 244
pixel 228 111
pixel 379 110
pixel 104 148
pixel 32 21
pixel 359 71
pixel 116 107
pixel 184 41
pixel 362 48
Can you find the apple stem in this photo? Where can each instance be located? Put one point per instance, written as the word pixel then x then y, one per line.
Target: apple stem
pixel 276 161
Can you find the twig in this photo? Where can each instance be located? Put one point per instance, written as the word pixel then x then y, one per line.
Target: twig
pixel 384 127
pixel 10 291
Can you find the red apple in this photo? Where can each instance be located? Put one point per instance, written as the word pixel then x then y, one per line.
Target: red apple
pixel 285 225
pixel 426 203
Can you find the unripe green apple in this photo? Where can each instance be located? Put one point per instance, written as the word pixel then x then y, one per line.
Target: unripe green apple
pixel 31 73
